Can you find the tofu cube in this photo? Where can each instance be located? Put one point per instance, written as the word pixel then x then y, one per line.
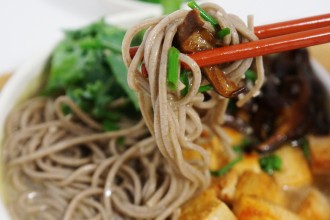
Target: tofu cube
pixel 295 171
pixel 215 149
pixel 206 206
pixel 252 208
pixel 320 153
pixel 260 185
pixel 250 162
pixel 227 183
pixel 315 206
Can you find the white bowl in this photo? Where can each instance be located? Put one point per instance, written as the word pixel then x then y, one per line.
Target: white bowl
pixel 27 78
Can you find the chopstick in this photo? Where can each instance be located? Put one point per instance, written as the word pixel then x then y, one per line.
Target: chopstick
pixel 277 37
pixel 292 26
pixel 262 47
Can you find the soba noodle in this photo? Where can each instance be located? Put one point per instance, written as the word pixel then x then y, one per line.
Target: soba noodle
pixel 174 120
pixel 65 167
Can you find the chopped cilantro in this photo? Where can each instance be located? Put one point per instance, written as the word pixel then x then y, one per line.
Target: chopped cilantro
pixel 270 163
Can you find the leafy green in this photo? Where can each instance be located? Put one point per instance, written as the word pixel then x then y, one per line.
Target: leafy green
pixel 226 168
pixel 171 6
pixel 270 163
pixel 87 66
pixel 168 6
pixel 119 70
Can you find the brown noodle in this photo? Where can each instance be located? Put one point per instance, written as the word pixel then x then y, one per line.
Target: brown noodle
pixel 65 167
pixel 177 121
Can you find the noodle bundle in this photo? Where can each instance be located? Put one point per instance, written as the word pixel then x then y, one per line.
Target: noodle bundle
pixel 64 166
pixel 177 121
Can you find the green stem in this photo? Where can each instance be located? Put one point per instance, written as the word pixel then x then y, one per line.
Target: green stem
pixel 205 88
pixel 203 13
pixel 226 168
pixel 173 68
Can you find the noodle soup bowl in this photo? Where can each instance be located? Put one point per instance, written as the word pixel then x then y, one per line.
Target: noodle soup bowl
pixel 29 79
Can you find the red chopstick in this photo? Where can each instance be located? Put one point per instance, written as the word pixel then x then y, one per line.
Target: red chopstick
pixel 262 47
pixel 277 37
pixel 293 26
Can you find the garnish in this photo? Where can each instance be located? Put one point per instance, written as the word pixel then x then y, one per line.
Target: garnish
pixel 173 68
pixel 226 168
pixel 185 80
pixel 203 13
pixel 270 163
pixel 205 88
pixel 170 6
pixel 251 75
pixel 223 32
pixel 87 66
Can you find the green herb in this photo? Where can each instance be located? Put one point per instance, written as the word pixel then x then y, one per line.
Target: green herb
pixel 109 125
pixel 119 72
pixel 304 145
pixel 87 66
pixel 173 68
pixel 205 88
pixel 203 13
pixel 170 6
pixel 223 32
pixel 185 80
pixel 251 75
pixel 270 163
pixel 226 168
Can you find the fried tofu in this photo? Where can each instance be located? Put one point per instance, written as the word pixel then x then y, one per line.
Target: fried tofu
pixel 206 206
pixel 252 208
pixel 227 183
pixel 235 137
pixel 320 153
pixel 295 171
pixel 215 149
pixel 260 185
pixel 250 162
pixel 315 206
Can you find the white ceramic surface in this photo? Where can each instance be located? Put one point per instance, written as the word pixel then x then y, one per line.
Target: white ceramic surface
pixel 29 72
